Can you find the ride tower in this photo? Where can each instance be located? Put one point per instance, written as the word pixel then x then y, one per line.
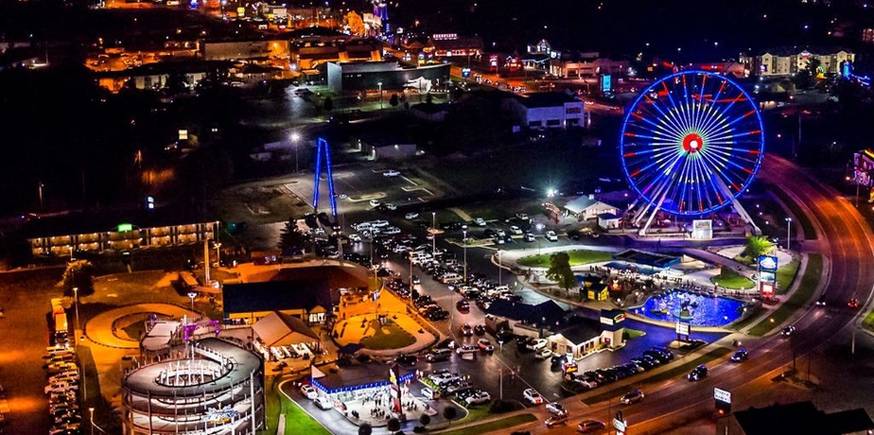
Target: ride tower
pixel 323 149
pixel 380 9
pixel 690 145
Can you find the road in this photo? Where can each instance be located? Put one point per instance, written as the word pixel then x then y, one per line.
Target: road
pixel 843 237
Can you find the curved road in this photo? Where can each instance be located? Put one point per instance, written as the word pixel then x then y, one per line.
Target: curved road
pixel 844 238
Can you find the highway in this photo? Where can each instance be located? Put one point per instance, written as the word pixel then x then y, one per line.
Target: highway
pixel 844 238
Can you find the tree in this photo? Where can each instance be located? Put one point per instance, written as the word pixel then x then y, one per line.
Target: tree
pixel 429 99
pixel 79 274
pixel 394 425
pixel 394 101
pixel 291 241
pixel 560 270
pixel 365 429
pixel 355 23
pixel 450 412
pixel 425 419
pixel 757 246
pixel 328 104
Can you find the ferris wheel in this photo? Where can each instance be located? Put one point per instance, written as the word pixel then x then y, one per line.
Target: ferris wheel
pixel 691 143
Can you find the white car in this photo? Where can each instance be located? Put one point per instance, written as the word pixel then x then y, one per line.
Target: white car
pixel 551 236
pixel 478 398
pixel 543 353
pixel 309 392
pixel 556 408
pixel 411 215
pixel 391 173
pixel 532 396
pixel 480 222
pixel 375 203
pixel 539 344
pixel 515 230
pixel 323 402
pixel 390 231
pixel 467 348
pixel 391 206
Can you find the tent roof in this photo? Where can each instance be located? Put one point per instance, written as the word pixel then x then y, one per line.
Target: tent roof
pixel 277 329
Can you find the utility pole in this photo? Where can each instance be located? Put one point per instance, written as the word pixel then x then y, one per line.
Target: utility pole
pixel 500 267
pixel 464 241
pixel 433 233
pixel 788 233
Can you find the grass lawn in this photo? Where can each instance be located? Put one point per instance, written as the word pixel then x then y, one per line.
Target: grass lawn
pixel 630 333
pixel 492 425
pixel 755 312
pixel 730 279
pixel 297 421
pixel 388 336
pixel 679 370
pixel 577 257
pixel 868 321
pixel 809 282
pixel 785 276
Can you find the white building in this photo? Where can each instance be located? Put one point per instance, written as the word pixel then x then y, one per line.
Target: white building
pixel 587 207
pixel 550 110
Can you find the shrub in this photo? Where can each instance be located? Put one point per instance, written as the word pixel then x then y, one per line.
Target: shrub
pixel 450 413
pixel 365 429
pixel 394 425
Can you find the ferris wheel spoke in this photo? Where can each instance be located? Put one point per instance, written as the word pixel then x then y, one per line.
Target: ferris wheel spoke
pixel 661 128
pixel 665 117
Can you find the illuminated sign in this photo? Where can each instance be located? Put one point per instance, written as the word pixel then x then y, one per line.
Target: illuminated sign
pixel 768 263
pixel 606 83
pixel 123 228
pixel 465 72
pixel 683 328
pixel 615 320
pixel 722 395
pixel 702 229
pixel 444 36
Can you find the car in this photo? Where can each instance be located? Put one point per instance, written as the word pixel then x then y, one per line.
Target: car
pixel 477 398
pixel 528 237
pixel 532 396
pixel 853 303
pixel 543 353
pixel 390 206
pixel 554 420
pixel 697 374
pixel 788 331
pixel 457 386
pixel 479 330
pixel 463 306
pixel 556 408
pixel 323 402
pixel 430 394
pixel 406 360
pixel 308 391
pixel 537 344
pixel 411 215
pixel 515 230
pixel 467 348
pixel 821 302
pixel 522 216
pixel 391 173
pixel 438 355
pixel 466 330
pixel 632 396
pixel 485 345
pixel 551 236
pixel 590 425
pixel 740 355
pixel 375 203
pixel 480 222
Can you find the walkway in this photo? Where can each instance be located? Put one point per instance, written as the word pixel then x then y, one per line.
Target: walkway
pixel 102 328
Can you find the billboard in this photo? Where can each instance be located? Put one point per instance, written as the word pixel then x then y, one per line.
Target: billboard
pixel 702 229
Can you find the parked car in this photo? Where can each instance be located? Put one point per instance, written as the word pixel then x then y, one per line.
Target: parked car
pixel 411 215
pixel 438 355
pixel 467 348
pixel 323 402
pixel 532 396
pixel 537 344
pixel 554 420
pixel 480 222
pixel 551 236
pixel 543 353
pixel 529 237
pixel 406 360
pixel 478 398
pixel 466 330
pixel 375 203
pixel 479 330
pixel 391 173
pixel 485 345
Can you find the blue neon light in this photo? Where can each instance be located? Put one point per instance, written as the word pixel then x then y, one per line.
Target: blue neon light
pixel 677 116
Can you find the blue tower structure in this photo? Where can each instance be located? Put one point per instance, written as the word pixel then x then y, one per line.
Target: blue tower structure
pixel 380 9
pixel 322 148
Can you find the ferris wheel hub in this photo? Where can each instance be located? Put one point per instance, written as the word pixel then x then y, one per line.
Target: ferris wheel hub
pixel 692 143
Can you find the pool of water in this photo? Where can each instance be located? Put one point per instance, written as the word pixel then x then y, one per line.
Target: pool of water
pixel 697 309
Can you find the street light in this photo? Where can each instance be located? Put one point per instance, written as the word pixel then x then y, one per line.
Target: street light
pixel 464 241
pixel 500 268
pixel 192 295
pixel 218 253
pixel 433 233
pixel 91 411
pixel 380 94
pixel 295 138
pixel 76 304
pixel 539 227
pixel 788 232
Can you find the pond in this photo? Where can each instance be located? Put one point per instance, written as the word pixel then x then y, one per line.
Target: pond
pixel 697 308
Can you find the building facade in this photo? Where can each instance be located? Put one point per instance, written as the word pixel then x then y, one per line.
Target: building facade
pixel 123 237
pixel 783 62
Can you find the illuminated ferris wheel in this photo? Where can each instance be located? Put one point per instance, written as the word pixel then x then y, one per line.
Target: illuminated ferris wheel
pixel 691 143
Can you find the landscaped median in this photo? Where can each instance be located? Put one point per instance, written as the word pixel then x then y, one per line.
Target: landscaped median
pixel 493 425
pixel 868 321
pixel 578 257
pixel 801 297
pixel 732 280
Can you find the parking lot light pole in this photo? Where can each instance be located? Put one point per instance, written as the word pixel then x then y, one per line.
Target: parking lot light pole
pixel 464 241
pixel 788 232
pixel 76 305
pixel 500 267
pixel 433 233
pixel 91 411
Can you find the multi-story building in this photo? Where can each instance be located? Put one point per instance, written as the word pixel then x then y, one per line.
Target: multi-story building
pixel 787 61
pixel 585 65
pixel 548 110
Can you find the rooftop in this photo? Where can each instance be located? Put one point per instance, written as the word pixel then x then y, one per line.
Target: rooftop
pixel 581 330
pixel 802 417
pixel 526 313
pixel 547 99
